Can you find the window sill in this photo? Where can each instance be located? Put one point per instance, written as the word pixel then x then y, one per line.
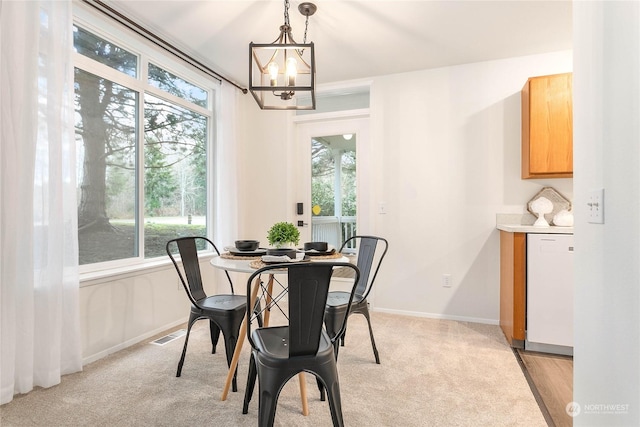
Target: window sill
pixel 92 278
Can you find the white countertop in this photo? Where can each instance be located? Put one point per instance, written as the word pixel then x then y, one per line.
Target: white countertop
pixel 515 228
pixel 523 223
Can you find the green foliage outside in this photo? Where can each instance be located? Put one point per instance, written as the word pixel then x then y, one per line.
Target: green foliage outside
pixel 322 183
pixel 159 183
pixel 119 240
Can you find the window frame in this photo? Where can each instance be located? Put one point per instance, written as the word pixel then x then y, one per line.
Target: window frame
pixel 146 52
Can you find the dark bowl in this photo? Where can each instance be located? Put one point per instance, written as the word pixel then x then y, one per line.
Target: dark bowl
pixel 291 253
pixel 318 246
pixel 247 245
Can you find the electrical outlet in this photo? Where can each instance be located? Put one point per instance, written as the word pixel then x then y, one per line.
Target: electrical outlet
pixel 446 280
pixel 596 206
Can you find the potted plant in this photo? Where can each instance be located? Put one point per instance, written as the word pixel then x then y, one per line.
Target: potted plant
pixel 283 234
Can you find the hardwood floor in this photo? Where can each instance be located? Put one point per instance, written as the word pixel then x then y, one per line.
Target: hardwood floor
pixel 551 379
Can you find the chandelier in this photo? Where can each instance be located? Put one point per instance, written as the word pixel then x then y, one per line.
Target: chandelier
pixel 282 73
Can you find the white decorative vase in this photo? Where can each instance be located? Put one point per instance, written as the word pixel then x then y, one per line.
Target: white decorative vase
pixel 540 207
pixel 541 221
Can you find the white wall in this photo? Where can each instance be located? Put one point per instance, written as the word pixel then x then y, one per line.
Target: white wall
pixel 124 310
pixel 265 174
pixel 445 145
pixel 606 155
pixel 450 144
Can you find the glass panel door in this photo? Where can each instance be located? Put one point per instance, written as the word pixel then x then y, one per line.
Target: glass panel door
pixel 333 188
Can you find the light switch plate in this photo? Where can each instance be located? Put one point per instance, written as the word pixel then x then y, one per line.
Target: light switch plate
pixel 596 206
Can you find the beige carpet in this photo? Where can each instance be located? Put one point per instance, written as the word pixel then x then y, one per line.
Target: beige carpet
pixel 433 373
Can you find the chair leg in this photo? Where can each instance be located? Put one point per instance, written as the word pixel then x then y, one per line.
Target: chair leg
pixel 192 320
pixel 329 374
pixel 251 383
pixel 333 392
pixel 215 335
pixel 365 312
pixel 230 346
pixel 270 382
pixel 321 388
pixel 330 316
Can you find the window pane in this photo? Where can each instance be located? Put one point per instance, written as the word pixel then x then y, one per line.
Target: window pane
pixel 333 188
pixel 175 177
pixel 106 134
pixel 162 79
pixel 105 52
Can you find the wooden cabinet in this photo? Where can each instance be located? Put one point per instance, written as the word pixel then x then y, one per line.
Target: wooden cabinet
pixel 513 271
pixel 547 127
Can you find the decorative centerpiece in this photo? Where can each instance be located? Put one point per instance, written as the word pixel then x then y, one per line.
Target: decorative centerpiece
pixel 540 207
pixel 558 202
pixel 283 235
pixel 564 218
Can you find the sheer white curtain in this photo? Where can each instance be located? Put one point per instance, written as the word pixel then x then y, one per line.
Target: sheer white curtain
pixel 226 188
pixel 225 216
pixel 39 320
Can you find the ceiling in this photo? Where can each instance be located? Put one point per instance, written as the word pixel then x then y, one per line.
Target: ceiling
pixel 359 39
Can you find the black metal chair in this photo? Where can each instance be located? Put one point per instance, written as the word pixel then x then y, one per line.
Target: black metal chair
pixel 303 345
pixel 225 312
pixel 370 250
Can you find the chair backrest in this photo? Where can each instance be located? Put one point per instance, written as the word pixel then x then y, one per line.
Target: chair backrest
pixel 187 247
pixel 308 287
pixel 371 251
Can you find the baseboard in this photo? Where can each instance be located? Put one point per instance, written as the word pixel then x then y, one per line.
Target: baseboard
pixel 438 316
pixel 548 348
pixel 133 341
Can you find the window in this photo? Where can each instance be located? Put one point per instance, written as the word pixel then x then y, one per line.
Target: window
pixel 143 134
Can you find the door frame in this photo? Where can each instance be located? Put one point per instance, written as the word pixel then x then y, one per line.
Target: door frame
pixel 342 122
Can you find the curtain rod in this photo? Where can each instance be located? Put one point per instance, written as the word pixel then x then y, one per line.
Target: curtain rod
pixel 158 41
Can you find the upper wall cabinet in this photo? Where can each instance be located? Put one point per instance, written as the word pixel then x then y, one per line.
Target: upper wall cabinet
pixel 547 127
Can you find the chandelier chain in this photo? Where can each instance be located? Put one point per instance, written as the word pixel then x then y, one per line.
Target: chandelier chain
pixel 306 27
pixel 286 12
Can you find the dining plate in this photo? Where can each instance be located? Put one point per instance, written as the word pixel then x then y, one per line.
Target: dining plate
pixel 305 259
pixel 313 252
pixel 238 252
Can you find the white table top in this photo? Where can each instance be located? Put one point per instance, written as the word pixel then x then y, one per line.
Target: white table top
pixel 239 265
pixel 514 228
pixel 242 266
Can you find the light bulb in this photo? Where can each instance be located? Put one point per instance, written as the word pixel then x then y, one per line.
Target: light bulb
pixel 292 71
pixel 273 72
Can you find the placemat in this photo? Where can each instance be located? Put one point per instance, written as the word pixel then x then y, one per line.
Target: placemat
pixel 227 255
pixel 336 255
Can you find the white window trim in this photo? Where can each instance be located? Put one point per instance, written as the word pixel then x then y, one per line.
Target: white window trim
pixel 97 277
